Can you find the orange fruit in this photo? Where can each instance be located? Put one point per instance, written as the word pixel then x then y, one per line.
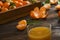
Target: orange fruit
pixel 18 3
pixel 59 13
pixel 14 0
pixel 4 9
pixel 42 8
pixel 1 3
pixel 24 22
pixel 17 0
pixel 20 0
pixel 34 15
pixel 38 13
pixel 25 2
pixel 6 4
pixel 44 16
pixel 36 9
pixel 21 25
pixel 42 12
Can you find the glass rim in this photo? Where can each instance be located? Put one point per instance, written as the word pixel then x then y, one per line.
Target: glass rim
pixel 37 25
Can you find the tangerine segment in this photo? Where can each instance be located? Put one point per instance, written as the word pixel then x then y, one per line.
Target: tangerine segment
pixel 39 33
pixel 18 4
pixel 23 22
pixel 20 27
pixel 25 2
pixel 42 9
pixel 34 15
pixel 36 9
pixel 19 0
pixel 4 9
pixel 1 3
pixel 43 12
pixel 6 4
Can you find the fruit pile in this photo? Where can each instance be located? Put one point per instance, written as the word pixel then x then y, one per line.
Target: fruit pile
pixel 42 11
pixel 11 4
pixel 39 13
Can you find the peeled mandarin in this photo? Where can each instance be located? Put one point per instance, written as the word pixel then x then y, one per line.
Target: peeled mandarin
pixel 36 9
pixel 4 9
pixel 6 4
pixel 18 4
pixel 34 15
pixel 25 2
pixel 42 12
pixel 23 22
pixel 42 8
pixel 20 27
pixel 1 3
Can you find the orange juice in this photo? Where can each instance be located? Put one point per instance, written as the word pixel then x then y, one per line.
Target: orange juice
pixel 39 33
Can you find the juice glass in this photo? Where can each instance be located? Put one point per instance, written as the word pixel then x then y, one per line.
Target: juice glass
pixel 39 32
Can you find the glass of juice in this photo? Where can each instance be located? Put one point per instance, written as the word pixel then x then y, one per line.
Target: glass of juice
pixel 39 32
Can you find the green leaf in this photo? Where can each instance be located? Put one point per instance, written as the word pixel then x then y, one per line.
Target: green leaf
pixel 30 21
pixel 59 2
pixel 12 4
pixel 47 1
pixel 32 1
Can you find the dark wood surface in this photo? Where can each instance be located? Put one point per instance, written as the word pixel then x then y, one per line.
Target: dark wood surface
pixel 8 31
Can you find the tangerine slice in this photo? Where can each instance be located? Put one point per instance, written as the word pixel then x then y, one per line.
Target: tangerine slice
pixel 42 8
pixel 24 22
pixel 42 12
pixel 36 9
pixel 1 3
pixel 34 15
pixel 4 9
pixel 21 25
